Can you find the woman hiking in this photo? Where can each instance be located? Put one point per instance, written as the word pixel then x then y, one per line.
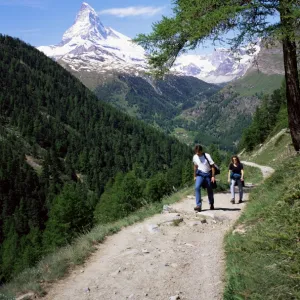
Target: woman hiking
pixel 236 177
pixel 204 176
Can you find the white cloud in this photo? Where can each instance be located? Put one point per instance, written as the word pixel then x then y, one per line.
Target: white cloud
pixel 132 11
pixel 29 30
pixel 28 3
pixel 24 32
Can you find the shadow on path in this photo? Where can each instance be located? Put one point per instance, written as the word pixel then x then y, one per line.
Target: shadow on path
pixel 221 208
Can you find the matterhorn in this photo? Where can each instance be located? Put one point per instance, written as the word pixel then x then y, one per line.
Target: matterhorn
pixel 89 46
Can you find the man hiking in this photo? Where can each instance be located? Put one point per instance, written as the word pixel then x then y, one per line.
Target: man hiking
pixel 204 176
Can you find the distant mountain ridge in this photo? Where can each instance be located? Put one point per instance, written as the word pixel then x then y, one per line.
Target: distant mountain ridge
pixel 88 46
pixel 220 66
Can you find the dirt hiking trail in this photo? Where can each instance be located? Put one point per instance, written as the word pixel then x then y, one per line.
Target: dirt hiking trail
pixel 266 171
pixel 174 255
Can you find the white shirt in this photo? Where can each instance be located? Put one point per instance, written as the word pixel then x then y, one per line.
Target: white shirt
pixel 202 163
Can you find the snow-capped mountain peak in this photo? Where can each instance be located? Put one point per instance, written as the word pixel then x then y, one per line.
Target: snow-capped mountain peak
pixel 87 26
pixel 89 46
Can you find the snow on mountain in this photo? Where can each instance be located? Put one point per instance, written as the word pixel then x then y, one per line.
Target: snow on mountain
pixel 87 26
pixel 88 45
pixel 221 66
pixel 91 47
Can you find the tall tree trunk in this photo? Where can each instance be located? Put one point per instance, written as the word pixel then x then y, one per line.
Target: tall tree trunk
pixel 292 89
pixel 291 73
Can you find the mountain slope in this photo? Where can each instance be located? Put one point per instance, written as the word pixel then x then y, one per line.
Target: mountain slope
pixel 223 117
pixel 77 145
pixel 108 63
pixel 265 75
pixel 156 102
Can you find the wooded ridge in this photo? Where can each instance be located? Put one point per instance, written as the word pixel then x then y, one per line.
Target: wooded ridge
pixel 80 149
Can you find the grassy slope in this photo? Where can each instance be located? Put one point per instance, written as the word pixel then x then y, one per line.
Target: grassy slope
pixel 273 152
pixel 264 76
pixel 257 82
pixel 264 262
pixel 184 135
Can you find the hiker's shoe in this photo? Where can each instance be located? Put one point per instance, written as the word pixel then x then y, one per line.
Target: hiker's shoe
pixel 240 201
pixel 212 207
pixel 232 201
pixel 197 208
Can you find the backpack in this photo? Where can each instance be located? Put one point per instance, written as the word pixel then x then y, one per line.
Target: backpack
pixel 217 169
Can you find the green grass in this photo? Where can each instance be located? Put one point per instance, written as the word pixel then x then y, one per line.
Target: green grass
pixel 57 265
pixel 252 175
pixel 273 152
pixel 264 263
pixel 277 151
pixel 184 135
pixel 257 82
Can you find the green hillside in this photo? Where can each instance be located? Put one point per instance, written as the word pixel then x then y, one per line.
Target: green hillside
pixel 263 260
pixel 64 154
pixel 220 119
pixel 187 104
pixel 223 117
pixel 266 74
pixel 256 82
pixel 262 252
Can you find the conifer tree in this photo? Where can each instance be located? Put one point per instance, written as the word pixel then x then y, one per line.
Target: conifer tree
pixel 187 172
pixel 69 214
pixel 196 21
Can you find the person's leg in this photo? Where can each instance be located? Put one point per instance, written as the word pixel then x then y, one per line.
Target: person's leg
pixel 232 190
pixel 198 184
pixel 210 191
pixel 240 185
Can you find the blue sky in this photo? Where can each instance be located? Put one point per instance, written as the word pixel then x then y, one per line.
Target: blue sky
pixel 43 22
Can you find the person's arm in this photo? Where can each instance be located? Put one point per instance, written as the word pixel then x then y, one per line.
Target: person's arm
pixel 213 171
pixel 242 172
pixel 195 170
pixel 213 179
pixel 229 172
pixel 212 166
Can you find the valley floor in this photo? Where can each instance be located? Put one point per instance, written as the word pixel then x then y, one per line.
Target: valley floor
pixel 174 253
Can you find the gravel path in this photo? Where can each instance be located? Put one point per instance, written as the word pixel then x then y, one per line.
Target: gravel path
pixel 266 171
pixel 157 260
